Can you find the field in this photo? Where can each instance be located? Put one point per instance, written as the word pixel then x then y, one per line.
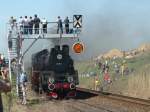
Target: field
pixel 136 83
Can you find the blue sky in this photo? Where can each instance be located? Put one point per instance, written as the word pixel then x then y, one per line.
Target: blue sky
pixel 105 21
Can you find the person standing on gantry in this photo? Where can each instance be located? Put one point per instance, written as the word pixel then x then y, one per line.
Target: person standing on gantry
pixel 20 21
pixel 26 25
pixel 59 25
pixel 12 22
pixel 44 25
pixel 66 21
pixel 36 24
pixel 31 22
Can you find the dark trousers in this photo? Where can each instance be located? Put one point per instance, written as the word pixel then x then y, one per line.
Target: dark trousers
pixel 30 29
pixel 45 28
pixel 36 29
pixel 67 28
pixel 26 28
pixel 59 29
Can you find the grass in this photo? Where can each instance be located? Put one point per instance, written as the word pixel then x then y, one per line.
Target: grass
pixel 136 83
pixel 139 84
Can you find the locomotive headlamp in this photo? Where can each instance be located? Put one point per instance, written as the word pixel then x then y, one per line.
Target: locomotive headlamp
pixel 59 56
pixel 51 86
pixel 72 86
pixel 51 80
pixel 70 79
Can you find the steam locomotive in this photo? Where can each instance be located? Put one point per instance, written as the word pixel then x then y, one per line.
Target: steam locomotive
pixel 53 72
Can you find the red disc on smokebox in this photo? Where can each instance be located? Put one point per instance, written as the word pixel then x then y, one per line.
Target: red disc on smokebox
pixel 78 47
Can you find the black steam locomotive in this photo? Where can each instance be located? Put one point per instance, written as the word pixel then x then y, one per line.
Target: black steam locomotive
pixel 53 72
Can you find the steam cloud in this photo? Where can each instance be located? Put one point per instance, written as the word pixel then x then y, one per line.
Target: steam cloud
pixel 112 24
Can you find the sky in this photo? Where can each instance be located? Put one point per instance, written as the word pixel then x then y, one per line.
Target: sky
pixel 107 24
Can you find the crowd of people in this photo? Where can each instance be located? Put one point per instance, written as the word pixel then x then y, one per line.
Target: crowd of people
pixel 33 25
pixel 111 68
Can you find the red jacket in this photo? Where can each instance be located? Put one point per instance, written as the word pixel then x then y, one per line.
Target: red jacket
pixel 106 77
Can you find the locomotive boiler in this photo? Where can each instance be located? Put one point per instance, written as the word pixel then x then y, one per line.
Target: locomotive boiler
pixel 53 72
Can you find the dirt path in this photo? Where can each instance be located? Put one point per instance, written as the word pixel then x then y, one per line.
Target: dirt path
pixel 82 103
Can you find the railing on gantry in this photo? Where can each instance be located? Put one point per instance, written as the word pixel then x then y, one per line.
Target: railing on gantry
pixel 50 30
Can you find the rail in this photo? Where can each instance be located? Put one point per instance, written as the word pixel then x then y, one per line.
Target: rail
pixel 117 96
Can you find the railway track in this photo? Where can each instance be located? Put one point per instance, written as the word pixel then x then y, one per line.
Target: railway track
pixel 117 97
pixel 93 101
pixel 110 102
pixel 83 106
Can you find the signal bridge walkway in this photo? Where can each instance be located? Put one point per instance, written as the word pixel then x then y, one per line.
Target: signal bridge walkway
pixel 51 31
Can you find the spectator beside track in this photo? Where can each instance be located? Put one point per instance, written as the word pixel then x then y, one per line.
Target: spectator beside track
pixel 44 25
pixel 99 65
pixel 116 68
pixel 123 67
pixel 105 67
pixel 59 25
pixel 66 21
pixel 97 83
pixel 23 84
pixel 31 22
pixel 106 78
pixel 36 24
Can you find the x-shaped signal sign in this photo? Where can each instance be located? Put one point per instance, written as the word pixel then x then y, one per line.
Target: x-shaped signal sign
pixel 77 21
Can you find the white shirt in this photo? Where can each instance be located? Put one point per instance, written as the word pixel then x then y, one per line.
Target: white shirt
pixel 44 21
pixel 26 22
pixel 20 21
